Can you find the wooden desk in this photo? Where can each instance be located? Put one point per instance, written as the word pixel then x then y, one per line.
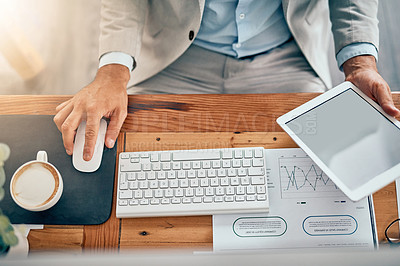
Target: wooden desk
pixel 161 122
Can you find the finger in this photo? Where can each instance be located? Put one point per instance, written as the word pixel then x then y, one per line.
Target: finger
pixel 385 100
pixel 68 130
pixel 92 129
pixel 62 105
pixel 116 122
pixel 60 117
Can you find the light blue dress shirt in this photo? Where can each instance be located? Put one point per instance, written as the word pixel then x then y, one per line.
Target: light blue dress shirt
pixel 241 28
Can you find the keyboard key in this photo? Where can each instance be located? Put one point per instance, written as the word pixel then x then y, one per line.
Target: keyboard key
pixel 171 174
pixel 173 184
pixel 209 191
pixel 226 164
pixel 191 174
pixel 123 177
pixel 123 202
pixel 186 200
pixel 165 157
pixel 218 199
pixel 197 200
pixel 181 174
pixel 240 190
pixel 206 164
pixel 239 198
pixel 250 197
pixel 157 166
pixel 146 167
pixel 201 173
pixel 234 181
pixel 153 184
pixel 169 193
pixel 133 185
pixel 151 175
pixel 143 184
pixel 161 175
pixel 246 163
pixel 242 172
pixel 228 198
pixel 165 201
pixel 131 176
pixel 258 153
pixel 245 181
pixel 248 153
pixel 196 165
pixel 258 162
pixel 123 185
pixel 179 192
pixel 216 164
pixel 176 165
pixel 154 157
pixel 257 180
pixel 124 155
pixel 236 163
pixel 238 154
pixel 261 189
pixel 204 182
pixel 133 202
pixel 220 191
pixel 221 172
pixel 251 190
pixel 144 155
pixel 163 184
pixel 231 172
pixel 148 194
pixel 256 171
pixel 211 173
pixel 138 194
pixel 207 199
pixel 199 191
pixel 126 166
pixel 186 165
pixel 224 181
pixel 227 154
pixel 230 191
pixel 125 194
pixel 214 182
pixel 194 183
pixel 261 197
pixel 166 166
pixel 144 202
pixel 154 201
pixel 189 192
pixel 184 183
pixel 196 155
pixel 158 193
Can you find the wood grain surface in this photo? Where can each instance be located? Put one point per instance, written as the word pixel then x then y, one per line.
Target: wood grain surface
pixel 166 122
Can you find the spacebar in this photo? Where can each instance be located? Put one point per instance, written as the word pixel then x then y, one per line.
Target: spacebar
pixel 196 155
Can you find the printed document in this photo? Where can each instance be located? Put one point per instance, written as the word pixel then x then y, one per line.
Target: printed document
pixel 307 210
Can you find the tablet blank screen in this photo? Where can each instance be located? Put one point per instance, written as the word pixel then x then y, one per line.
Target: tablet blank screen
pixel 350 137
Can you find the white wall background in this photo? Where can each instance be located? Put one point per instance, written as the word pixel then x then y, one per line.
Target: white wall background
pixel 64 34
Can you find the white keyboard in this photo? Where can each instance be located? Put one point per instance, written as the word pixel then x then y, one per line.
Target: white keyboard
pixel 192 182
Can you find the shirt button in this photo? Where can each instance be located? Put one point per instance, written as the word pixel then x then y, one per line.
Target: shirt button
pixel 191 35
pixel 241 16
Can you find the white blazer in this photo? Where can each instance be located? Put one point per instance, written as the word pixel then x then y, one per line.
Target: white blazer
pixel 156 33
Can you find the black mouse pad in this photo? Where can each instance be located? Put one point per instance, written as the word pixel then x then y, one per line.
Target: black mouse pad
pixel 86 198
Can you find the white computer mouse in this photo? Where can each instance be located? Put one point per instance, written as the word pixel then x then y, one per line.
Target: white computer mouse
pixel 77 157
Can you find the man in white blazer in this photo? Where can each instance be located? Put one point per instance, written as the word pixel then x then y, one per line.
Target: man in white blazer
pixel 155 34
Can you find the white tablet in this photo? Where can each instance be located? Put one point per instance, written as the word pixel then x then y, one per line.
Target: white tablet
pixel 349 137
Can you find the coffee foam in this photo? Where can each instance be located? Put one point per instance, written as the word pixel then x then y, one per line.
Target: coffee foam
pixel 35 184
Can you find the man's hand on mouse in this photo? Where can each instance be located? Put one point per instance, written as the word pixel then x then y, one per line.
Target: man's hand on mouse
pixel 362 72
pixel 105 97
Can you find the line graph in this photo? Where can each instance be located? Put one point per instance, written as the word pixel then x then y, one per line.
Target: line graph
pixel 301 177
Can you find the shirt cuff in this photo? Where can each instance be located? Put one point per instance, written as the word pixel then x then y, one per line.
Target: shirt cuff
pixel 117 58
pixel 355 49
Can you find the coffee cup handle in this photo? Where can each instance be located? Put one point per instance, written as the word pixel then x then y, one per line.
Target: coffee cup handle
pixel 41 156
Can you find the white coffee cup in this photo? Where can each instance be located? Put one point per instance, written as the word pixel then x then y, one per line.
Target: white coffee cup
pixel 36 185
